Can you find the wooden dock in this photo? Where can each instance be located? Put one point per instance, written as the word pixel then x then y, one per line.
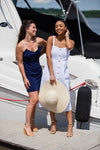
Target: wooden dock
pixel 12 117
pixel 12 132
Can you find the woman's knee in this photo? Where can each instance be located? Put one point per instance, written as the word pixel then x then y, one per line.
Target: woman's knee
pixel 33 98
pixel 34 101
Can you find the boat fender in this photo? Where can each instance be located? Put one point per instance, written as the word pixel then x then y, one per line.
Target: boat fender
pixel 83 104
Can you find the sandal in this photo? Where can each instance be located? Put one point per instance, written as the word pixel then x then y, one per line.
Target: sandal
pixel 34 129
pixel 53 127
pixel 28 133
pixel 70 130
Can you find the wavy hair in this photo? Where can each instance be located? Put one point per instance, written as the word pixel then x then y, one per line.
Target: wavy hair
pixel 24 26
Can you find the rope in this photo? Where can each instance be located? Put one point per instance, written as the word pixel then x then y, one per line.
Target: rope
pixel 88 82
pixel 67 12
pixel 12 99
pixel 63 10
pixel 28 100
pixel 78 86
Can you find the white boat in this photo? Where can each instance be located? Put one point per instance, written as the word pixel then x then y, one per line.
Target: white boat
pixel 12 88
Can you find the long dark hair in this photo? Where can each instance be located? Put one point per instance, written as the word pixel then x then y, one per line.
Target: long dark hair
pixel 22 32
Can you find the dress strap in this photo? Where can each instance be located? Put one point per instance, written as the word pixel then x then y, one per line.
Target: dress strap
pixel 24 44
pixel 53 40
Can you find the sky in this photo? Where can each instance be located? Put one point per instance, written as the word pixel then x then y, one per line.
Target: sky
pixel 82 4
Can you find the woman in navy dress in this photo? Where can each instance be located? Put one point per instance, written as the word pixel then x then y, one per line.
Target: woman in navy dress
pixel 27 54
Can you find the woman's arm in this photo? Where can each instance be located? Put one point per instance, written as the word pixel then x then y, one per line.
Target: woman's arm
pixel 69 43
pixel 19 58
pixel 49 60
pixel 42 43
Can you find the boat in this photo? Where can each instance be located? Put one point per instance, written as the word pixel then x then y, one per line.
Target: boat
pixel 83 63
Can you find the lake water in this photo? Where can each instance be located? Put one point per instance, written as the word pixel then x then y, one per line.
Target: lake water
pixel 94 24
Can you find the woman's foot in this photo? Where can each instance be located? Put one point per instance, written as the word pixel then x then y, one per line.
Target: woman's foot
pixel 70 130
pixel 53 127
pixel 27 130
pixel 33 126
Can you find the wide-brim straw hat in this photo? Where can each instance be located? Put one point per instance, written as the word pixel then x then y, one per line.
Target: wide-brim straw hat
pixel 55 98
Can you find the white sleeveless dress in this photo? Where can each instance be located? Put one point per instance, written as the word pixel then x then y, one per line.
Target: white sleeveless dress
pixel 59 61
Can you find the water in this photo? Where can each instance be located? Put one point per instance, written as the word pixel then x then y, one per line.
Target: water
pixel 94 24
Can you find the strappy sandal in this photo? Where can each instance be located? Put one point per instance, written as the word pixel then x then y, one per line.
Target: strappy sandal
pixel 34 129
pixel 26 132
pixel 53 127
pixel 70 133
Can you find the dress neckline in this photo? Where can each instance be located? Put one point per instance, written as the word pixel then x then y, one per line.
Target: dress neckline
pixel 30 50
pixel 60 47
pixel 57 46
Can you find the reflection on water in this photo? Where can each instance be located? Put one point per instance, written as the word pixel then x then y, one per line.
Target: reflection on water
pixel 94 24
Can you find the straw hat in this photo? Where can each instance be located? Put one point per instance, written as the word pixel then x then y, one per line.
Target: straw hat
pixel 54 97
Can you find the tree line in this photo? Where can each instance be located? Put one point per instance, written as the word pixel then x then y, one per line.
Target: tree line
pixel 58 13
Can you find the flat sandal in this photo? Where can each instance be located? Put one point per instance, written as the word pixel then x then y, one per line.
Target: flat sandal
pixel 53 123
pixel 70 134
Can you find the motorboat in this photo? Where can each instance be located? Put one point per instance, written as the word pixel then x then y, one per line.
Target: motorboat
pixel 83 63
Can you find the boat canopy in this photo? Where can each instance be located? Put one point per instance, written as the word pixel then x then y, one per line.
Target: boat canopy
pixel 45 25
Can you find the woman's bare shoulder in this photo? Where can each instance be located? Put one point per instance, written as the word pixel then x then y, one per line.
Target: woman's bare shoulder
pixel 50 38
pixel 20 45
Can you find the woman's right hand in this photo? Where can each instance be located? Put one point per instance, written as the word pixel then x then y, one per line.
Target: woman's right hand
pixel 26 83
pixel 52 79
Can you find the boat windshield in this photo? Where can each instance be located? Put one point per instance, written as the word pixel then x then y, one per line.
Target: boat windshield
pixel 50 7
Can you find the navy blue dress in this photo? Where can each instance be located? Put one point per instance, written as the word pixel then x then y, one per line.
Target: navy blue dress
pixel 32 68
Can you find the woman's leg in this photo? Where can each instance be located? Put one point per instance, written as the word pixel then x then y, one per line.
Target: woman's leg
pixel 70 123
pixel 33 96
pixel 33 126
pixel 53 123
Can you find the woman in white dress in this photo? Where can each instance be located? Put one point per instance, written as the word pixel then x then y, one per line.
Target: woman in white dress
pixel 57 52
